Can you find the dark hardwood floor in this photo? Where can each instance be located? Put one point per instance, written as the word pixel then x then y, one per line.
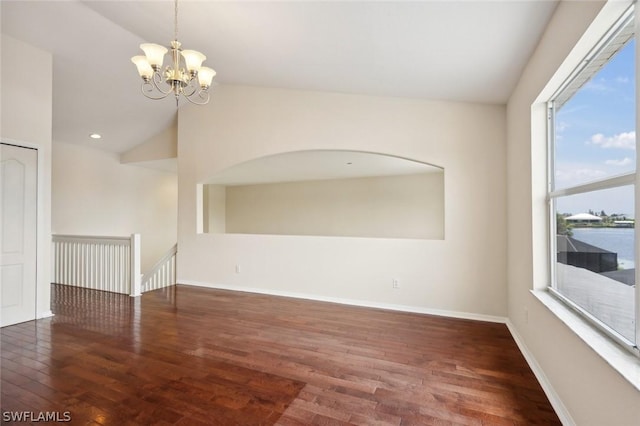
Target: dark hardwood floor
pixel 190 356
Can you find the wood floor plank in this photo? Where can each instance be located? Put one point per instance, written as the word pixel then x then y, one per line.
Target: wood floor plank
pixel 189 356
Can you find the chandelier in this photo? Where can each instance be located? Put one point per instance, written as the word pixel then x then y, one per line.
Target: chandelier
pixel 184 76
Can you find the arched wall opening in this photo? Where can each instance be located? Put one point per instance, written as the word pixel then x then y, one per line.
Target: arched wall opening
pixel 337 193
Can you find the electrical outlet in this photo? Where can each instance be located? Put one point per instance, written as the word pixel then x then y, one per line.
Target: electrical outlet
pixel 395 283
pixel 237 268
pixel 526 316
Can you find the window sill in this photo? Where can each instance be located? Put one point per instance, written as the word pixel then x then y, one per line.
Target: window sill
pixel 617 357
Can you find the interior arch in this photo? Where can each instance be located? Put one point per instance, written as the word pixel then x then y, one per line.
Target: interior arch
pixel 337 193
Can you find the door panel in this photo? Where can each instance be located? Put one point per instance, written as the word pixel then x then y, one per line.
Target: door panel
pixel 18 240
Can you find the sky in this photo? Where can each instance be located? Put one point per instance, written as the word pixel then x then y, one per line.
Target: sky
pixel 596 137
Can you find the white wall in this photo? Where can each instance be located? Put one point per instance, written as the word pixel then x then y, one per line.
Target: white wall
pixel 26 117
pixel 215 208
pixel 404 206
pixel 592 392
pixel 161 146
pixel 465 272
pixel 93 194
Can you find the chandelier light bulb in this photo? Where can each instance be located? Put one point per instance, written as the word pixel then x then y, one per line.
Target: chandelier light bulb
pixel 155 54
pixel 193 60
pixel 144 68
pixel 205 76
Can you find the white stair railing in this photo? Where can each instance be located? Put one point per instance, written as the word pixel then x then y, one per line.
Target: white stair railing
pixel 163 273
pixel 100 263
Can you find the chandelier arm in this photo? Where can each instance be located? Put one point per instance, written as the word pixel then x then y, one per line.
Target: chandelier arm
pixel 191 88
pixel 157 80
pixel 150 89
pixel 205 99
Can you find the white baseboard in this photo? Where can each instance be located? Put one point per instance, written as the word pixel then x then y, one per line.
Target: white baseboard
pixel 46 314
pixel 554 399
pixel 353 302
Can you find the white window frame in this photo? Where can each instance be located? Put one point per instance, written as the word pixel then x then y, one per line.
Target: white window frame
pixel 626 179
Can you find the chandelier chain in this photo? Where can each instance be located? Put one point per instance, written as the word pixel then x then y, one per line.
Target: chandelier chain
pixel 175 20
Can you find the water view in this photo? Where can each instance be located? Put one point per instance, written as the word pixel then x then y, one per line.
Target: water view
pixel 617 240
pixel 597 281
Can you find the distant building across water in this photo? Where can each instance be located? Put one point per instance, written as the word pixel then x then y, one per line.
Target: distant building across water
pixel 588 220
pixel 583 218
pixel 624 223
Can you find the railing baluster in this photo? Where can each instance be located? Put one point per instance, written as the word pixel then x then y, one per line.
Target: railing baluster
pixel 163 272
pixel 101 263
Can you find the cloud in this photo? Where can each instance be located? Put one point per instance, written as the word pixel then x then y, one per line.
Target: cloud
pixel 561 126
pixel 624 162
pixel 601 85
pixel 569 175
pixel 625 140
pixel 605 84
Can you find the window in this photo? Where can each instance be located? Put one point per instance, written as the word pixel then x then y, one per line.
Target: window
pixel 592 174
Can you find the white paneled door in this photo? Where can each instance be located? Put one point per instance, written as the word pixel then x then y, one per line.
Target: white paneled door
pixel 18 241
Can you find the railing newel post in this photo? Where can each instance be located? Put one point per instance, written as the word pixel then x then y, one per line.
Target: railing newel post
pixel 135 280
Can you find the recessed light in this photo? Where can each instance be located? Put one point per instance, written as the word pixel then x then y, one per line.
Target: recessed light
pixel 95 136
pixel 348 164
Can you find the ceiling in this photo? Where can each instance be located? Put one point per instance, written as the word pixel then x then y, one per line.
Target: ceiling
pixel 472 51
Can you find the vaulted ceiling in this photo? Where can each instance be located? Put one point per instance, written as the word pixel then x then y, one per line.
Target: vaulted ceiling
pixel 471 51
